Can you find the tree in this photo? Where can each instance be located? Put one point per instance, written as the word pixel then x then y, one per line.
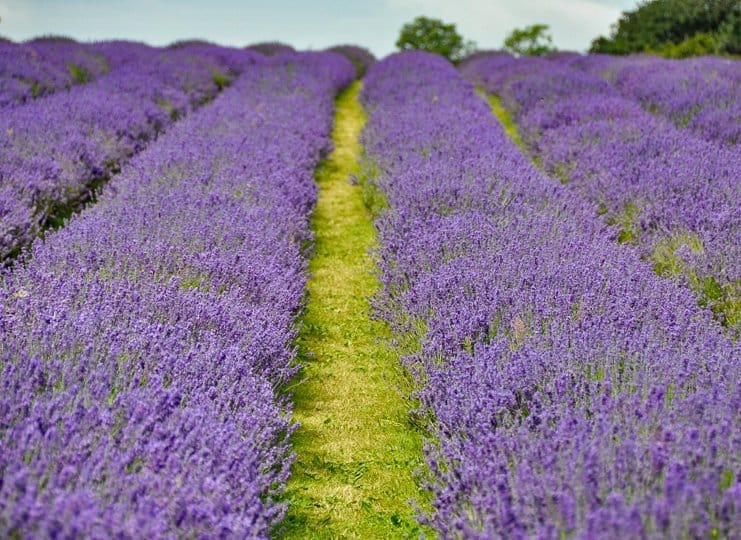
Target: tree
pixel 435 36
pixel 675 27
pixel 529 41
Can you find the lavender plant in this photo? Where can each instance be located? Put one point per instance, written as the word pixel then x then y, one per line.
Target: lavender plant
pixel 360 57
pixel 569 390
pixel 671 194
pixel 144 344
pixel 31 70
pixel 271 48
pixel 53 152
pixel 701 94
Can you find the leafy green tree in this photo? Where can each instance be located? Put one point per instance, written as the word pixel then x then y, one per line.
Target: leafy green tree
pixel 676 28
pixel 435 36
pixel 532 40
pixel 728 35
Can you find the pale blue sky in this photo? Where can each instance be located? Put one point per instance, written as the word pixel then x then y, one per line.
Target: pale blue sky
pixel 314 24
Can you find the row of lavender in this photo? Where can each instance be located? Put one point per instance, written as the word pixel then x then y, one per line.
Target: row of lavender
pixel 571 391
pixel 674 195
pixel 40 68
pixel 702 94
pixel 53 151
pixel 144 343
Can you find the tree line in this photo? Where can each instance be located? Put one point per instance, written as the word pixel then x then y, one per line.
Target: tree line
pixel 672 28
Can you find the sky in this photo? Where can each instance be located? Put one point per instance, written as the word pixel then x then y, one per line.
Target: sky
pixel 309 24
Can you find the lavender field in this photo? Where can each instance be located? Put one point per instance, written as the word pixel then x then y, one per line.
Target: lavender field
pixel 255 293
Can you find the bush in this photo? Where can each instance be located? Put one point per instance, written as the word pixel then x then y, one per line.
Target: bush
pixel 183 43
pixel 700 44
pixel 476 55
pixel 360 57
pixel 50 38
pixel 270 48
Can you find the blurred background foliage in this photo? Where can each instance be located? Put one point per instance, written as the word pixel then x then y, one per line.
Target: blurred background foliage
pixel 533 40
pixel 676 28
pixel 435 36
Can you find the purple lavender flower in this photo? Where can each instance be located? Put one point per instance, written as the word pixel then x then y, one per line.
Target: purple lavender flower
pixel 144 343
pixel 53 152
pixel 665 189
pixel 701 94
pixel 570 390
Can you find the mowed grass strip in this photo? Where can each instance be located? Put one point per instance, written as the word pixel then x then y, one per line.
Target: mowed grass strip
pixel 356 448
pixel 505 118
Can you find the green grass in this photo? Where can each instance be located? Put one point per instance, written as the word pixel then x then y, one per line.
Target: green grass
pixel 356 447
pixel 505 118
pixel 79 73
pixel 724 300
pixel 629 223
pixel 221 80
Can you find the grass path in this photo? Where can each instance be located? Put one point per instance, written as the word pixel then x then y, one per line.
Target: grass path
pixel 356 448
pixel 505 118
